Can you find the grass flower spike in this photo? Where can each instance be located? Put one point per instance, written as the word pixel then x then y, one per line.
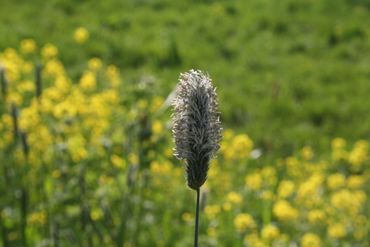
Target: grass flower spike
pixel 196 128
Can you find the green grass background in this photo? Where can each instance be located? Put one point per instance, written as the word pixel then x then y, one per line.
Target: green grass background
pixel 288 72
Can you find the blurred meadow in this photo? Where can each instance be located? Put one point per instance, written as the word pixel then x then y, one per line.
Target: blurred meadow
pixel 86 152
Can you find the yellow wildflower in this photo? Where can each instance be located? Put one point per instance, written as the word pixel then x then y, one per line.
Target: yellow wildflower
pixel 117 161
pixel 28 46
pixel 96 214
pixel 337 230
pixel 243 221
pixel 310 240
pixel 355 181
pixel 49 51
pixel 211 211
pixel 88 80
pixel 270 232
pixel 336 180
pixel 94 64
pixel 81 35
pixel 285 189
pixel 253 181
pixel 187 217
pixel 157 127
pixel 284 211
pixel 316 216
pixel 234 197
pixel 307 153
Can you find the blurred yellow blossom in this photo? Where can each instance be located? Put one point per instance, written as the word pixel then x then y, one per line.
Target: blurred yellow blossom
pixel 285 189
pixel 254 240
pixel 160 168
pixel 284 211
pixel 336 180
pixel 355 181
pixel 49 51
pixel 270 232
pixel 94 64
pixel 81 35
pixel 96 214
pixel 307 153
pixel 359 154
pixel 157 127
pixel 211 211
pixel 316 216
pixel 240 147
pixel 28 46
pixel 337 230
pixel 37 218
pixel 88 80
pixel 117 161
pixel 234 197
pixel 244 221
pixel 310 240
pixel 253 181
pixel 187 217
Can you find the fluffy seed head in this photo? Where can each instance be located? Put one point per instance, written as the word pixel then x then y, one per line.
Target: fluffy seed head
pixel 196 125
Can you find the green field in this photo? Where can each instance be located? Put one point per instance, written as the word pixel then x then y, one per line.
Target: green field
pixel 86 148
pixel 288 72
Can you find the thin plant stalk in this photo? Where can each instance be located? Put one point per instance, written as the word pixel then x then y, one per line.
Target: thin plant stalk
pixel 197 220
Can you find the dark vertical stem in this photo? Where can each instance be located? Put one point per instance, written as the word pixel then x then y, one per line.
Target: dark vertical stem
pixel 3 83
pixel 196 220
pixel 24 202
pixel 38 81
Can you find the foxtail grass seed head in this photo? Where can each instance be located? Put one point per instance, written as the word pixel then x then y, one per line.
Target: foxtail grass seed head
pixel 196 125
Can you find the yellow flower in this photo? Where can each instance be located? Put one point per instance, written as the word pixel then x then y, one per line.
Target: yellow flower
pixel 88 80
pixel 212 232
pixel 284 211
pixel 243 221
pixel 117 161
pixel 96 214
pixel 355 181
pixel 335 181
pixel 267 195
pixel 310 240
pixel 350 201
pixel 37 218
pixel 337 230
pixel 157 127
pixel 226 206
pixel 49 51
pixel 316 216
pixel 253 181
pixel 338 143
pixel 270 232
pixel 163 168
pixel 94 64
pixel 81 35
pixel 28 46
pixel 211 211
pixel 307 153
pixel 240 147
pixel 234 197
pixel 187 217
pixel 253 240
pixel 286 188
pixel 359 154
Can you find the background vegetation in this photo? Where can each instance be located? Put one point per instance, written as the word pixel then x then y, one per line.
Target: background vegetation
pixel 90 163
